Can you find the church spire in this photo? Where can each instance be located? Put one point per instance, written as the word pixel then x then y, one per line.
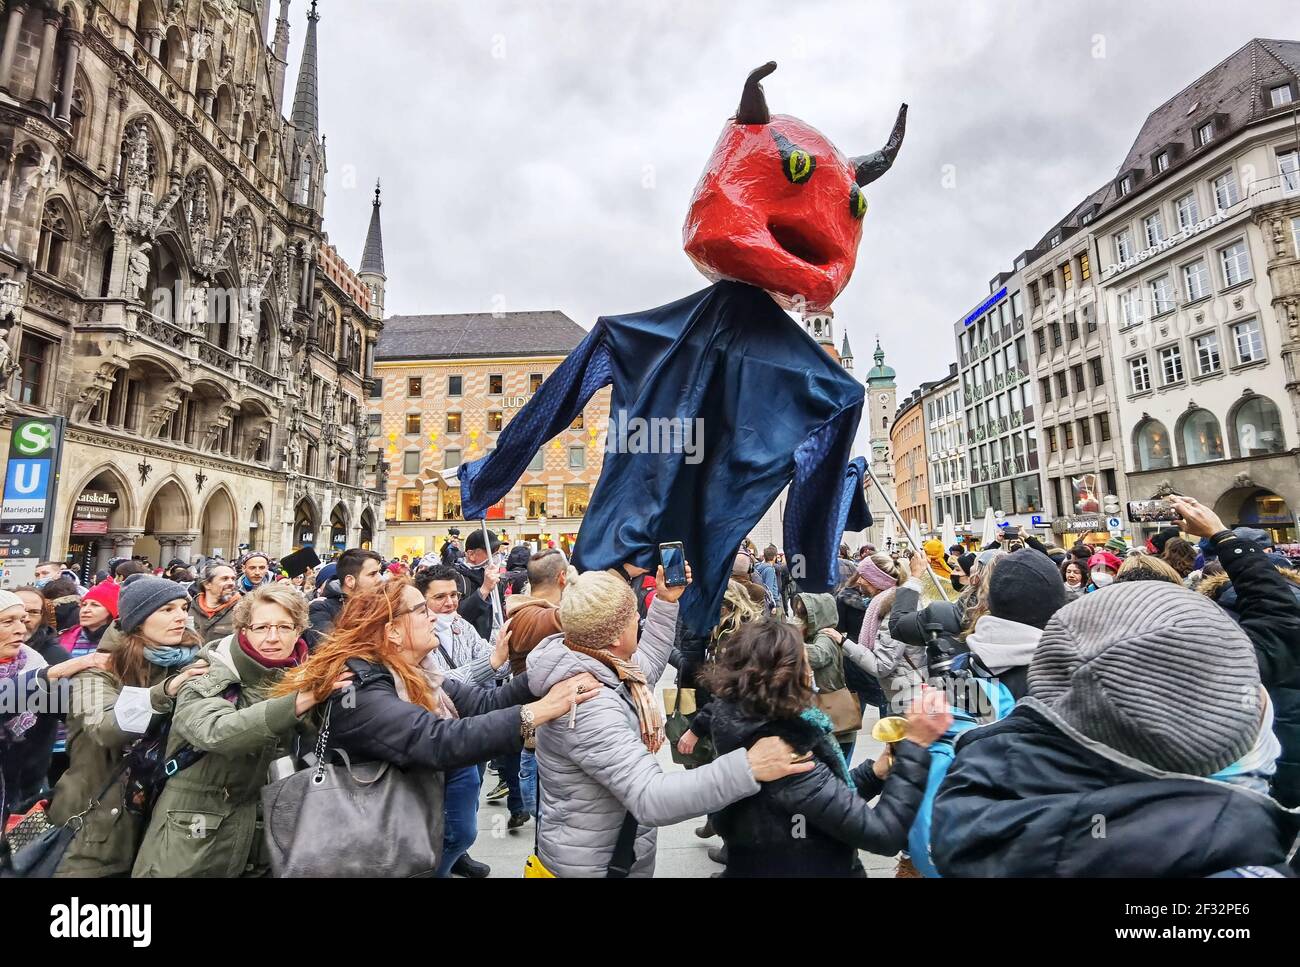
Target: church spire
pixel 372 257
pixel 846 355
pixel 306 112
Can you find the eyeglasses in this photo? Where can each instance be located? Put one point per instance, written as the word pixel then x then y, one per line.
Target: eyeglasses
pixel 446 596
pixel 264 631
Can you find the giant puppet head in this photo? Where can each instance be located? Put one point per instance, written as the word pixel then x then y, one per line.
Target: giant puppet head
pixel 779 206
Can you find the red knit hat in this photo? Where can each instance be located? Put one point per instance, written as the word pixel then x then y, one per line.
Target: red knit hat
pixel 105 593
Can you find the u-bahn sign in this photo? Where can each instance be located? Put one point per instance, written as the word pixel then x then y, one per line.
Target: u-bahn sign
pixel 31 489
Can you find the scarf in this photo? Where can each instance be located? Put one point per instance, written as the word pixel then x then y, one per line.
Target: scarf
pixel 442 704
pixel 198 602
pixel 248 585
pixel 649 716
pixel 821 721
pixel 18 724
pixel 168 657
pixel 297 657
pixel 1255 769
pixel 876 612
pixel 1001 644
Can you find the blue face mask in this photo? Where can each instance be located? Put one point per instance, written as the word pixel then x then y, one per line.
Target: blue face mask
pixel 41 582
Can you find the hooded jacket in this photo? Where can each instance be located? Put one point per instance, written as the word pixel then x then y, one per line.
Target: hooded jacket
pixel 592 775
pixel 323 611
pixel 825 654
pixel 1005 648
pixel 837 820
pixel 1029 796
pixel 227 715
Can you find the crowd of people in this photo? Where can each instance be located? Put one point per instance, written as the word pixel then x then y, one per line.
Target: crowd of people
pixel 1107 710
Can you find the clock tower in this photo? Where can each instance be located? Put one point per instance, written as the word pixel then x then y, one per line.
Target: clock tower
pixel 881 390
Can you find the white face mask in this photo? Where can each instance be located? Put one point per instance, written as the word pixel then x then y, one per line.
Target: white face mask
pixel 1073 581
pixel 1102 578
pixel 445 624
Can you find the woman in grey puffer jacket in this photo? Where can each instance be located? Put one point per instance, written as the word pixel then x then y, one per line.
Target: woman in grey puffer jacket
pixel 599 765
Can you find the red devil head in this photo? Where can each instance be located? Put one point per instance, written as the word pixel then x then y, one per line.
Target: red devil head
pixel 779 206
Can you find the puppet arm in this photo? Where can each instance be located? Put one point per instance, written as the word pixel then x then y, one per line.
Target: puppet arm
pixel 553 407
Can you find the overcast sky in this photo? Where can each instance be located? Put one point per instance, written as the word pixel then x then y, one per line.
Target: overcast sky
pixel 516 140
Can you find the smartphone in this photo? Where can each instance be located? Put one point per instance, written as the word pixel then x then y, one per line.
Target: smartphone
pixel 1146 511
pixel 672 556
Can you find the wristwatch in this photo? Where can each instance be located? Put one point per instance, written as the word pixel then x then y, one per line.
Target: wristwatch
pixel 527 727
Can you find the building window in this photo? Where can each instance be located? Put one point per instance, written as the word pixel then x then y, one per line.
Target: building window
pixel 32 364
pixel 538 463
pixel 534 382
pixel 1045 389
pixel 1162 295
pixel 577 458
pixel 1295 235
pixel 1153 452
pixel 575 499
pixel 1205 133
pixel 450 459
pixel 412 423
pixel 1202 438
pixel 1085 267
pixel 1079 385
pixel 1154 226
pixel 1257 428
pixel 1098 372
pixel 494 420
pixel 1162 161
pixel 1085 432
pixel 1288 164
pixel 578 422
pixel 1103 427
pixel 411 462
pixel 1196 279
pixel 1235 262
pixel 535 501
pixel 1056 335
pixel 455 385
pixel 1189 212
pixel 1171 365
pixel 377 388
pixel 1130 307
pixel 1225 190
pixel 451 504
pixel 1051 439
pixel 408 504
pixel 1125 185
pixel 1123 245
pixel 1207 354
pixel 1062 388
pixel 453 422
pixel 1068 430
pixel 1277 96
pixel 1139 374
pixel 414 386
pixel 1248 339
pixel 1067 274
pixel 53 240
pixel 496 384
pixel 1041 338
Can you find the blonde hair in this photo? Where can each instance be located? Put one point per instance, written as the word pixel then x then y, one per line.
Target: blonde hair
pixel 887 564
pixel 980 607
pixel 596 608
pixel 1146 567
pixel 738 607
pixel 282 595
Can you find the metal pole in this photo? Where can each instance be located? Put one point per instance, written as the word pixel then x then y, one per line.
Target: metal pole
pixel 498 619
pixel 906 530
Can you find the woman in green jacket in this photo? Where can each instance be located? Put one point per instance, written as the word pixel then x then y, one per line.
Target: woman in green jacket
pixel 152 655
pixel 824 645
pixel 208 822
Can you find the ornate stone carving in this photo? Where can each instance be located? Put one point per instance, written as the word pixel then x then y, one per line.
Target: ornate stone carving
pixel 164 410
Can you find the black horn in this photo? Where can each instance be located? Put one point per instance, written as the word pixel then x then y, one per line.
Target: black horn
pixel 869 167
pixel 753 103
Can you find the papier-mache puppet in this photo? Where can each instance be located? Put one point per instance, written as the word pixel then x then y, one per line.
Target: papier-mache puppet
pixel 775 221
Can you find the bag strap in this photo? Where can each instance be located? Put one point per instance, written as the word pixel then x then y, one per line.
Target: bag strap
pixel 187 755
pixel 620 865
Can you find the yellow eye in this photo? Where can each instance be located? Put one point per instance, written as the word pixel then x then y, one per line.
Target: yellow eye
pixel 857 202
pixel 796 164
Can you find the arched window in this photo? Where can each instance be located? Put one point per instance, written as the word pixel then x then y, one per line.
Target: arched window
pixel 304 180
pixel 1202 437
pixel 1152 445
pixel 1257 428
pixel 54 240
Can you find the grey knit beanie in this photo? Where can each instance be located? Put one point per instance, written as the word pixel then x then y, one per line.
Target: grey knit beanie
pixel 143 596
pixel 1154 671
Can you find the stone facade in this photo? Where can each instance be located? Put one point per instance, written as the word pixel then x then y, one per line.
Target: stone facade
pixel 167 283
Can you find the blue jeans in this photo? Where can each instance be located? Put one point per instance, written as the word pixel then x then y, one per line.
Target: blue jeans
pixel 508 769
pixel 528 780
pixel 460 815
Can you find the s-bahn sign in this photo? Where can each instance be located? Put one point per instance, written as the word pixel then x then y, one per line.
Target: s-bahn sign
pixel 31 487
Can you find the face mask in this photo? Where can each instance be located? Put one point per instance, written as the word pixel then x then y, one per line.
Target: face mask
pixel 443 624
pixel 1102 578
pixel 41 582
pixel 1073 583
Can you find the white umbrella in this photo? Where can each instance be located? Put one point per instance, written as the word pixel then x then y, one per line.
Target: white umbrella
pixel 915 535
pixel 990 528
pixel 949 533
